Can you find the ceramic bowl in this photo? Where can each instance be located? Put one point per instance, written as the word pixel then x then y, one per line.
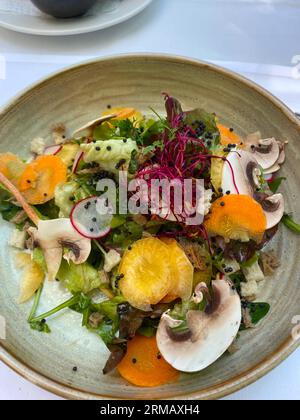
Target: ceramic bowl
pixel 79 94
pixel 64 8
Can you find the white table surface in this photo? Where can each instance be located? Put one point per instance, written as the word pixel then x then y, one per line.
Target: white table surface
pixel 233 33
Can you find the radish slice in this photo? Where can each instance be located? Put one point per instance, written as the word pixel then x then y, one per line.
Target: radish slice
pixel 52 150
pixel 77 160
pixel 269 177
pixel 92 217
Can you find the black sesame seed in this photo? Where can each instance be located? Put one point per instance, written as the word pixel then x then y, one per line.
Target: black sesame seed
pixel 108 148
pixel 94 219
pixel 226 150
pixel 108 106
pixel 43 321
pixel 98 148
pixel 222 204
pixel 134 361
pixel 231 130
pixel 120 163
pixel 228 192
pixel 159 356
pixel 129 248
pixel 45 195
pixel 28 181
pixel 75 369
pixel 124 140
pixel 220 190
pixel 92 230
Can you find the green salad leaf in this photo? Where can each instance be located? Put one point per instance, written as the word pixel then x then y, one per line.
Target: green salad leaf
pixel 208 121
pixel 258 311
pixel 110 153
pixel 125 235
pixel 275 184
pixel 79 278
pixel 8 210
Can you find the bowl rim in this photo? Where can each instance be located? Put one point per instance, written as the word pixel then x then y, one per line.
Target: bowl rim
pixel 215 391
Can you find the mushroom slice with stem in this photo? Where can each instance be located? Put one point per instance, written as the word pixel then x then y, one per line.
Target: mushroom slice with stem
pixel 266 152
pixel 87 129
pixel 53 236
pixel 272 170
pixel 208 335
pixel 246 173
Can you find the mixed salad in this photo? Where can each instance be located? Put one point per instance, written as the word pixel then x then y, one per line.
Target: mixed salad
pixel 165 296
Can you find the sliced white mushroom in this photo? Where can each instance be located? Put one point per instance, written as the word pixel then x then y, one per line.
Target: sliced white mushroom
pixel 266 152
pixel 246 173
pixel 87 129
pixel 273 207
pixel 53 236
pixel 282 155
pixel 272 170
pixel 210 333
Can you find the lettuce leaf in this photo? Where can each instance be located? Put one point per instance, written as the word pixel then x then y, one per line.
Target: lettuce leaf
pixel 79 278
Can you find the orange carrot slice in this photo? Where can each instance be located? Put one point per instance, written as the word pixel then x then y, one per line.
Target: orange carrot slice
pixel 182 272
pixel 228 136
pixel 18 196
pixel 237 217
pixel 124 113
pixel 41 177
pixel 144 366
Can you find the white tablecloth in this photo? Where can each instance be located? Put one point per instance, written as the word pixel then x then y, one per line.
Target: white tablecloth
pixel 258 38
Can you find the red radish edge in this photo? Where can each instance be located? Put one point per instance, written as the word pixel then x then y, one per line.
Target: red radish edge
pixel 56 149
pixel 78 158
pixel 74 224
pixel 269 177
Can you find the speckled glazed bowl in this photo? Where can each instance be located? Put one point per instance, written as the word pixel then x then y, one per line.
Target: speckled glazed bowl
pixel 77 95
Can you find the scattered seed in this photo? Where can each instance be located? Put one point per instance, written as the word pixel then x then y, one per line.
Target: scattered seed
pixel 94 219
pixel 108 148
pixel 222 204
pixel 134 361
pixel 231 130
pixel 98 148
pixel 75 369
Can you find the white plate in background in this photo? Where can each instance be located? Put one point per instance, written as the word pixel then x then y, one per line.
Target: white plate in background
pixel 106 13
